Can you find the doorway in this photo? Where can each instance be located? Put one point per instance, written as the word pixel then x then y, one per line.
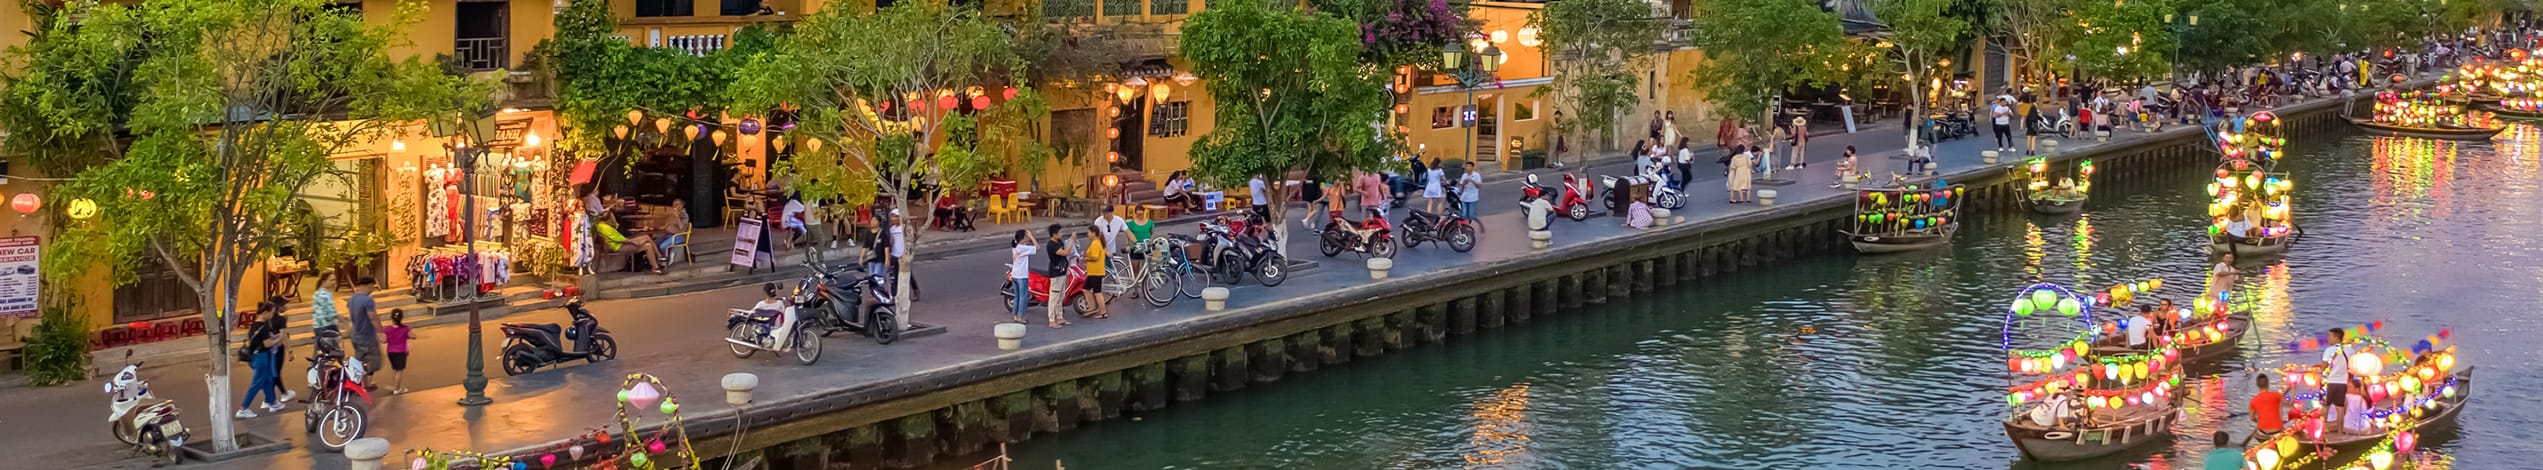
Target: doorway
pixel 1487 129
pixel 1131 122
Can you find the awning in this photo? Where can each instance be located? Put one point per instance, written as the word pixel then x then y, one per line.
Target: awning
pixel 583 172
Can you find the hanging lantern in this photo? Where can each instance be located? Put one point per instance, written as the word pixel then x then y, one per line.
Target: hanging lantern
pixel 751 126
pixel 946 102
pixel 1130 89
pixel 662 125
pixel 26 203
pixel 1401 108
pixel 980 102
pixel 778 142
pixel 1112 111
pixel 1112 157
pixel 1112 133
pixel 83 208
pixel 635 116
pixel 691 132
pixel 1010 93
pixel 1185 79
pixel 717 136
pixel 812 145
pixel 400 145
pixel 1159 91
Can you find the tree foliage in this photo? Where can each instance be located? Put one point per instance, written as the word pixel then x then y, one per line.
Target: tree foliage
pixel 1292 94
pixel 1404 32
pixel 2037 33
pixel 1755 49
pixel 868 92
pixel 235 108
pixel 1918 34
pixel 1593 46
pixel 2121 41
pixel 601 76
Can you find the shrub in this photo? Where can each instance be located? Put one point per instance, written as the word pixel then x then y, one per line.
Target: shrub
pixel 58 352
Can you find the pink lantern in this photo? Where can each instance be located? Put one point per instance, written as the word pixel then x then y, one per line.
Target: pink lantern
pixel 643 395
pixel 26 203
pixel 548 460
pixel 2405 441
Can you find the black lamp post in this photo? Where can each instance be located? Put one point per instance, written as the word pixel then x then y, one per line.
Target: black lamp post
pixel 1451 60
pixel 468 143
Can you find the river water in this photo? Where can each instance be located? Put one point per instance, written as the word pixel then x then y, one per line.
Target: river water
pixel 1862 362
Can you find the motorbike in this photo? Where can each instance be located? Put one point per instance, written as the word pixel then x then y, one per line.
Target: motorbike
pixel 339 406
pixel 839 295
pixel 142 420
pixel 1451 228
pixel 1236 248
pixel 1040 285
pixel 776 330
pixel 2061 124
pixel 1663 192
pixel 529 346
pixel 1575 200
pixel 1371 236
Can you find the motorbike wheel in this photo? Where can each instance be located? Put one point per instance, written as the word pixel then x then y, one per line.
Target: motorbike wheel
pixel 1231 267
pixel 1273 270
pixel 1461 237
pixel 342 424
pixel 163 451
pixel 741 331
pixel 1158 288
pixel 1382 246
pixel 885 325
pixel 1672 201
pixel 807 346
pixel 1331 243
pixel 122 433
pixel 1610 200
pixel 1578 213
pixel 517 360
pixel 603 348
pixel 821 322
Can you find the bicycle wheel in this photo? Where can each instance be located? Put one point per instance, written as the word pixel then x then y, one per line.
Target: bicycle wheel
pixel 1189 281
pixel 1157 288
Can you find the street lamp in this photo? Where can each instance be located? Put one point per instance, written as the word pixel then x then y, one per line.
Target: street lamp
pixel 468 139
pixel 1451 58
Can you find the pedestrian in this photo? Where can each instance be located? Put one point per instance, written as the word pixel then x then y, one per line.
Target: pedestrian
pixel 1261 194
pixel 362 311
pixel 264 363
pixel 1373 193
pixel 1096 254
pixel 1738 183
pixel 398 335
pixel 1686 162
pixel 2335 378
pixel 322 317
pixel 1669 128
pixel 1656 125
pixel 2002 112
pixel 1434 188
pixel 1020 271
pixel 1722 138
pixel 1057 271
pixel 2032 123
pixel 1641 156
pixel 1110 226
pixel 2225 456
pixel 1469 191
pixel 1140 228
pixel 1800 137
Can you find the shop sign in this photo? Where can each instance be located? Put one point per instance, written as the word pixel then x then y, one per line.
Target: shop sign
pixel 746 242
pixel 19 276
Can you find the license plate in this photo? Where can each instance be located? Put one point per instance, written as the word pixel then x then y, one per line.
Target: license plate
pixel 171 428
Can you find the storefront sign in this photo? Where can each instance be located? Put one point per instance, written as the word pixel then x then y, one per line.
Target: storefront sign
pixel 746 242
pixel 19 281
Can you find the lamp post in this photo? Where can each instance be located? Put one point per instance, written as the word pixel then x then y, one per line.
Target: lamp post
pixel 2178 31
pixel 466 157
pixel 1469 76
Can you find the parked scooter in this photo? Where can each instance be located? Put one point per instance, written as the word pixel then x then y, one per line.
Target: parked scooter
pixel 1664 193
pixel 839 294
pixel 1236 249
pixel 529 346
pixel 1575 200
pixel 339 406
pixel 1370 236
pixel 1451 228
pixel 1074 293
pixel 771 327
pixel 141 420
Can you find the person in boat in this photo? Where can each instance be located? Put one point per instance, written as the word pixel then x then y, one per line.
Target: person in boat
pixel 2057 412
pixel 2224 270
pixel 2137 327
pixel 2335 376
pixel 2267 407
pixel 2065 189
pixel 2164 321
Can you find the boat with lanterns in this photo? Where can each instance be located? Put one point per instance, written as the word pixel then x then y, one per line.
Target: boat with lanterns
pixel 2285 451
pixel 2201 331
pixel 2392 388
pixel 1907 218
pixel 2424 115
pixel 2250 208
pixel 2126 399
pixel 2066 195
pixel 2511 88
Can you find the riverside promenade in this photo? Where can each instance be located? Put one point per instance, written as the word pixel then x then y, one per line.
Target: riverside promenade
pixel 679 338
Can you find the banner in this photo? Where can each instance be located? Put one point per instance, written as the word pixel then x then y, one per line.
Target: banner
pixel 746 242
pixel 19 276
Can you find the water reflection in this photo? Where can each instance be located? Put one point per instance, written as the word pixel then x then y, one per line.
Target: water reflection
pixel 1861 362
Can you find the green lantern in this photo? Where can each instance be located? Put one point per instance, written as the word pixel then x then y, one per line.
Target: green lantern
pixel 2068 306
pixel 2022 307
pixel 2044 298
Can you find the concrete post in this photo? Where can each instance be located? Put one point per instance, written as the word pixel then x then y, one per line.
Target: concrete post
pixel 1659 216
pixel 1010 336
pixel 1539 239
pixel 1214 299
pixel 1989 157
pixel 367 452
pixel 1765 198
pixel 738 386
pixel 1378 267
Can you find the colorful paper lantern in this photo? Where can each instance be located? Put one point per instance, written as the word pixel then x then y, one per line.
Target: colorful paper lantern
pixel 26 203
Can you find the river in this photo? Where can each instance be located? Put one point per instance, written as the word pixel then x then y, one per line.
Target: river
pixel 1861 362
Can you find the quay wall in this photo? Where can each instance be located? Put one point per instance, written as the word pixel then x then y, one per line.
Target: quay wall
pixel 961 414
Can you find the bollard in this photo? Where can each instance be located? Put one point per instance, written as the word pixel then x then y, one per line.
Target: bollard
pixel 1989 157
pixel 2048 147
pixel 2101 136
pixel 1378 267
pixel 1540 239
pixel 1010 335
pixel 1765 198
pixel 1214 299
pixel 366 452
pixel 738 387
pixel 1659 216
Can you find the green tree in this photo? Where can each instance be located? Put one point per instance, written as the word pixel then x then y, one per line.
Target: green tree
pixel 2036 32
pixel 601 76
pixel 1593 46
pixel 869 90
pixel 2121 41
pixel 1919 34
pixel 238 105
pixel 2230 33
pixel 1292 95
pixel 1756 49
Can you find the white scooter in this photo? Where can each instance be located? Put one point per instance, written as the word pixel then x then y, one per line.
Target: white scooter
pixel 771 327
pixel 140 420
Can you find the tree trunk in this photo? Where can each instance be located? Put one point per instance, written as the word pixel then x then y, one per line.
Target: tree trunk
pixel 901 285
pixel 216 379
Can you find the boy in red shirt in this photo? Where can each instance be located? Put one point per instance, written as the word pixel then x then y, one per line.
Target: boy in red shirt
pixel 2266 407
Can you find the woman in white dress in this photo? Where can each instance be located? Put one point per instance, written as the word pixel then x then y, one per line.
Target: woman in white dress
pixel 1434 187
pixel 1741 163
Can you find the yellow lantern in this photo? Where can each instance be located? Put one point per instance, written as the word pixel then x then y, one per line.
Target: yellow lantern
pixel 635 116
pixel 662 125
pixel 82 208
pixel 1159 91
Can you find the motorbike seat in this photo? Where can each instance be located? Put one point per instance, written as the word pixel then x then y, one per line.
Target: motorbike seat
pixel 549 328
pixel 765 315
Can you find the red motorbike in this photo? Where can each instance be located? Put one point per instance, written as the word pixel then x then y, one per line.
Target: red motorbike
pixel 1371 236
pixel 339 406
pixel 1040 285
pixel 1575 201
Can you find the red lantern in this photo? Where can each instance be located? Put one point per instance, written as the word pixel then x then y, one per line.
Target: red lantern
pixel 26 203
pixel 1010 93
pixel 980 102
pixel 887 106
pixel 946 103
pixel 1111 133
pixel 917 104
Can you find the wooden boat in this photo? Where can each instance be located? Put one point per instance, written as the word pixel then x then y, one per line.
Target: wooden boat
pixel 2442 418
pixel 2249 247
pixel 1868 243
pixel 2440 133
pixel 2237 324
pixel 2495 108
pixel 2126 428
pixel 2044 203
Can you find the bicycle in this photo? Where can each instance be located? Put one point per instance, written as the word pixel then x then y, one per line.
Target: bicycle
pixel 1166 273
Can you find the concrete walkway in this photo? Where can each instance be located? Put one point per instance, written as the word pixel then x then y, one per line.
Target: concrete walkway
pixel 679 338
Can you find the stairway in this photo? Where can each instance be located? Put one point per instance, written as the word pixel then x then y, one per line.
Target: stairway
pixel 1137 190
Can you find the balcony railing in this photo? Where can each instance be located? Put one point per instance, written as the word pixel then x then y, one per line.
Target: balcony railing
pixel 484 53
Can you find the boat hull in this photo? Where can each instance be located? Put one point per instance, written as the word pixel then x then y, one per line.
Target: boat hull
pixel 2443 418
pixel 2056 206
pixel 1880 244
pixel 2449 133
pixel 2224 245
pixel 2235 327
pixel 2060 446
pixel 2494 108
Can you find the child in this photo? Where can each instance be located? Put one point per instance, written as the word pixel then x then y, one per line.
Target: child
pixel 1845 169
pixel 397 334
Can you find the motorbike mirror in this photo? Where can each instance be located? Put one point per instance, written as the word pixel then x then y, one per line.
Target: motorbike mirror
pixel 128 354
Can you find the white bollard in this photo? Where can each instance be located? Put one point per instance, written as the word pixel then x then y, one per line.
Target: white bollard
pixel 1540 239
pixel 1378 267
pixel 366 452
pixel 738 387
pixel 1989 156
pixel 2103 136
pixel 1214 299
pixel 1765 197
pixel 1659 216
pixel 1010 336
pixel 2048 147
